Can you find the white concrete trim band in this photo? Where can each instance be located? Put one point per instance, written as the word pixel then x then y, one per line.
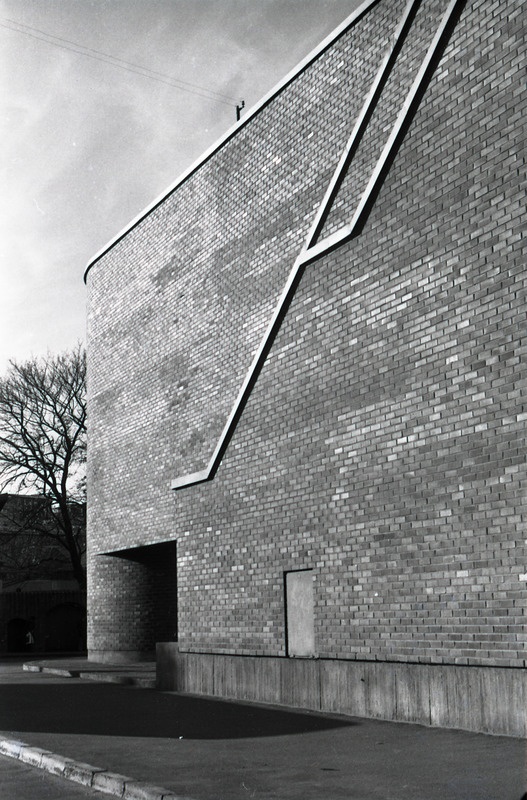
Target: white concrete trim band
pixel 234 129
pixel 312 249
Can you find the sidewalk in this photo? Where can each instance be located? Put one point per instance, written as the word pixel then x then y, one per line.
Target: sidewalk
pixel 208 749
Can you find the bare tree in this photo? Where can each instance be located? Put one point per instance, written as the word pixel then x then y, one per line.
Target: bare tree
pixel 43 443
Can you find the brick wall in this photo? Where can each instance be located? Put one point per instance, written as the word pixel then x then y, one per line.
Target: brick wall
pixel 383 443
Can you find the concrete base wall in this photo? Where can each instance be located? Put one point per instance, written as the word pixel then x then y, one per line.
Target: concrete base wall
pixel 482 699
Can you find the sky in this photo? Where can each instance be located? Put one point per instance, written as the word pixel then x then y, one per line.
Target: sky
pixel 87 143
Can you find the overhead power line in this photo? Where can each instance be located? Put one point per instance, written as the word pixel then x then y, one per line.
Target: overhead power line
pixel 114 61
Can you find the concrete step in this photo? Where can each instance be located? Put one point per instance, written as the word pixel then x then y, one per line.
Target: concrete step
pixel 141 674
pixel 123 678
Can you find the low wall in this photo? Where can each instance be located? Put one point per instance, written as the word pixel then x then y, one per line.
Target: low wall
pixel 481 699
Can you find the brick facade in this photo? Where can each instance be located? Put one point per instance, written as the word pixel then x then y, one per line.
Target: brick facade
pixel 382 443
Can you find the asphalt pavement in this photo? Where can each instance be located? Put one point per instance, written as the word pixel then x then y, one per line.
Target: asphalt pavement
pixel 19 781
pixel 209 749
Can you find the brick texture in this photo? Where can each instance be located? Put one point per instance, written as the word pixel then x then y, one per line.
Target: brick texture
pixel 383 443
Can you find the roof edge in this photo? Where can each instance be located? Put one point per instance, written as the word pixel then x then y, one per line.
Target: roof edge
pixel 315 53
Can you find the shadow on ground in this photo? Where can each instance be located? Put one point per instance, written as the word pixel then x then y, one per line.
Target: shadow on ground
pixel 105 710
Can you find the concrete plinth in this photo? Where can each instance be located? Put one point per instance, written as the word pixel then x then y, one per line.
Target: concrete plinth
pixel 480 699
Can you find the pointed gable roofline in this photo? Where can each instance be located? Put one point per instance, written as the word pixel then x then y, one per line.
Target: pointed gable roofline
pixel 252 112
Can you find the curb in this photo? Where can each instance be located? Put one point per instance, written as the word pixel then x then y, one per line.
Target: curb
pixel 122 677
pixel 102 780
pixel 59 671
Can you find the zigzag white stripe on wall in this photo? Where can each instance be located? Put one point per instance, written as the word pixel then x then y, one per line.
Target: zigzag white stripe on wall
pixel 313 248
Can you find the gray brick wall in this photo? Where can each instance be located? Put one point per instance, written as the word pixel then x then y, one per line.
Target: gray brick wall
pixel 383 443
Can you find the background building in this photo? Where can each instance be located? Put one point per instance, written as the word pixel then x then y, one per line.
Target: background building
pixel 38 592
pixel 306 365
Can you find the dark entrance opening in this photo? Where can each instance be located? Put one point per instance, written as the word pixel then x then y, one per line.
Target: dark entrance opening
pixel 155 580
